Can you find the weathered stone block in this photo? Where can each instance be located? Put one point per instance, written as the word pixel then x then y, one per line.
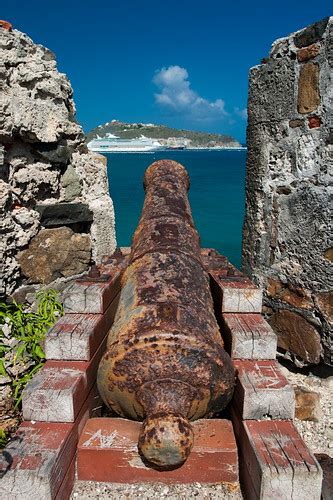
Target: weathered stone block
pixel 262 391
pixel 75 337
pixel 296 123
pixel 71 183
pixel 296 335
pixel 324 301
pixel 107 451
pixel 275 462
pixel 271 92
pixel 58 391
pixel 89 297
pixel 235 294
pixel 248 336
pixel 54 152
pixel 39 461
pixel 308 52
pixel 55 394
pixel 64 214
pixel 307 404
pixel 286 292
pixel 311 34
pixel 39 453
pixel 314 121
pixel 53 253
pixel 308 88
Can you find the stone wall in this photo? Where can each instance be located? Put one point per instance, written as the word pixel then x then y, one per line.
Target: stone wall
pixel 56 213
pixel 287 237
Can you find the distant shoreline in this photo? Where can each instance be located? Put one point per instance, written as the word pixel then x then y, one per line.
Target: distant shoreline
pixel 172 150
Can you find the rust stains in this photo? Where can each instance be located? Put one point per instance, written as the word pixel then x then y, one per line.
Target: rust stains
pixel 165 363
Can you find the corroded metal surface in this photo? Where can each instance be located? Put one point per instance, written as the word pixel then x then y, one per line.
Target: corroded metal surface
pixel 165 363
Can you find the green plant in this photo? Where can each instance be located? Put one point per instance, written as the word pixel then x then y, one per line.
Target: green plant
pixel 3 438
pixel 22 333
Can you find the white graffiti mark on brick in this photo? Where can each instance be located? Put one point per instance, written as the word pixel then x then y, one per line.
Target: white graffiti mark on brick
pixel 101 440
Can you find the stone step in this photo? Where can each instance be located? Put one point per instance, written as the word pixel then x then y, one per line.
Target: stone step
pixel 275 462
pixel 58 391
pixel 248 336
pixel 107 451
pixel 39 462
pixel 235 294
pixel 76 337
pixel 91 297
pixel 262 391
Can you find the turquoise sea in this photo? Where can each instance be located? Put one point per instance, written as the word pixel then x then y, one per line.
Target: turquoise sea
pixel 216 194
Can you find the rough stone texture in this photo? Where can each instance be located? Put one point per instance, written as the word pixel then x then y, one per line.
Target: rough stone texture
pixel 53 253
pixel 311 34
pixel 307 404
pixel 308 88
pixel 287 237
pixel 297 335
pixel 43 160
pixel 61 214
pixel 308 52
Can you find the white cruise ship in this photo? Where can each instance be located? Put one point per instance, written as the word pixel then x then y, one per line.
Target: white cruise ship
pixel 113 144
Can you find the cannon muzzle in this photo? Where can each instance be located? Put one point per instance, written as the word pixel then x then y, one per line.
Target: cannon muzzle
pixel 165 363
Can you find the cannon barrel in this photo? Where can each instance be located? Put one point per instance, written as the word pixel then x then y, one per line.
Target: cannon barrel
pixel 165 363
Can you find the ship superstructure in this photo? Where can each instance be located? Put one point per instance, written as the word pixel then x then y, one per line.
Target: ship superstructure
pixel 113 144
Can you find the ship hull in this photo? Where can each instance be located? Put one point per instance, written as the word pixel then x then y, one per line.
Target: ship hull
pixel 110 149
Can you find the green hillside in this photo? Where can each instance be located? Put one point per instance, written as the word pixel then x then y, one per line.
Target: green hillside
pixel 133 130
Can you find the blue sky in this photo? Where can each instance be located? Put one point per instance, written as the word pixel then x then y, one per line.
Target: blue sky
pixel 183 63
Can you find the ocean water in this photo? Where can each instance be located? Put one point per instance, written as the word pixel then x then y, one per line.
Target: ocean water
pixel 216 194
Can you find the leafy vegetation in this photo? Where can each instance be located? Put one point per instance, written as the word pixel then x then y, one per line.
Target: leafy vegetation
pixel 133 130
pixel 22 334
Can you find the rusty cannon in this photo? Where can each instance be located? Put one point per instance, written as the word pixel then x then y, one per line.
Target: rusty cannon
pixel 165 363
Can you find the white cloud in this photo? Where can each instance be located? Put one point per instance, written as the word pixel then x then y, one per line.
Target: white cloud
pixel 241 112
pixel 176 95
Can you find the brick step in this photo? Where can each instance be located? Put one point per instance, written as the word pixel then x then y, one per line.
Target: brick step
pixel 39 462
pixel 76 337
pixel 92 297
pixel 248 336
pixel 275 462
pixel 107 451
pixel 57 392
pixel 262 391
pixel 235 294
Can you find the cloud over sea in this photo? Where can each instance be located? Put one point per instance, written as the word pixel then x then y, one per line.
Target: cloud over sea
pixel 176 95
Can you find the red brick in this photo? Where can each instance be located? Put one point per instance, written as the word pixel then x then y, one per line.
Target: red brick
pixel 107 451
pixel 57 392
pixel 39 461
pixel 235 294
pixel 76 337
pixel 262 391
pixel 91 297
pixel 275 462
pixel 314 121
pixel 65 490
pixel 248 336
